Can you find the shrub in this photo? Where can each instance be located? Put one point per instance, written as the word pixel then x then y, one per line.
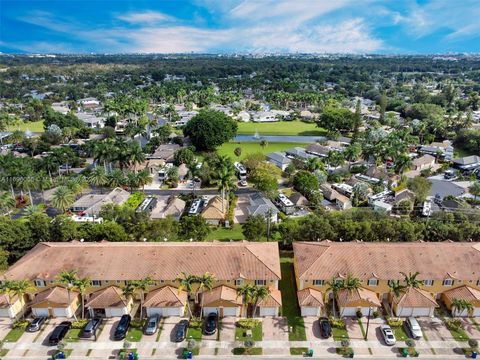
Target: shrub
pixel 249 343
pixel 454 324
pixel 345 343
pixel 338 323
pixel 20 324
pixel 410 343
pixel 191 344
pixel 359 314
pixel 196 324
pixel 137 323
pixel 394 322
pixel 135 200
pixel 473 343
pixel 376 314
pixel 248 323
pixel 127 345
pixel 79 324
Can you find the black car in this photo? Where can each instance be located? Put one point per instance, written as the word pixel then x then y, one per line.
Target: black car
pixel 210 327
pixel 181 331
pixel 59 333
pixel 325 327
pixel 36 324
pixel 91 328
pixel 122 327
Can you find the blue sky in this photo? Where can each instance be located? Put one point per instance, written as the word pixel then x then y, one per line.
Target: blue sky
pixel 230 26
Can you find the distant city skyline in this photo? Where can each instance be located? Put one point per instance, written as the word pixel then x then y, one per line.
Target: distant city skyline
pixel 240 26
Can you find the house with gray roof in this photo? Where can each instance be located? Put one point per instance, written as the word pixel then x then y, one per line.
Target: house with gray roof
pixel 261 205
pixel 91 204
pixel 467 163
pixel 279 159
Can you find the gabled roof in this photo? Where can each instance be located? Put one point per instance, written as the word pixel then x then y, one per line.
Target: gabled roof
pixel 111 296
pixel 347 298
pixel 56 295
pixel 279 157
pixel 414 297
pixel 221 293
pixel 467 160
pixel 161 261
pixel 213 210
pixel 94 202
pixel 423 160
pixel 438 260
pixel 310 297
pixel 463 292
pixel 260 205
pixel 167 296
pixel 274 299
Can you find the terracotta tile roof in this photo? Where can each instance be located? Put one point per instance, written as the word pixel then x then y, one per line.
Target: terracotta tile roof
pixel 348 298
pixel 221 293
pixel 324 260
pixel 55 295
pixel 413 297
pixel 167 296
pixel 274 299
pixel 111 296
pixel 310 297
pixel 464 292
pixel 213 211
pixel 4 301
pixel 160 261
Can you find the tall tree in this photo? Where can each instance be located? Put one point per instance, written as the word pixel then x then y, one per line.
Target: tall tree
pixel 68 278
pixel 82 285
pixel 62 198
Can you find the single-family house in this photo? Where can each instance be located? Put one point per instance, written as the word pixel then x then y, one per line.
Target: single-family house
pixel 467 163
pixel 279 159
pixel 91 204
pixel 261 205
pixel 423 162
pixel 243 116
pixel 404 194
pixel 298 152
pixel 318 150
pixel 264 116
pixel 215 211
pixel 91 120
pixel 55 301
pixel 443 149
pixel 168 206
pixel 109 302
pixel 299 200
pixel 165 152
pixel 382 206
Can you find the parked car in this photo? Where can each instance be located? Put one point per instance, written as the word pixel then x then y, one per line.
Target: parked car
pixel 388 335
pixel 91 328
pixel 181 331
pixel 210 327
pixel 151 326
pixel 122 327
pixel 59 333
pixel 325 327
pixel 414 328
pixel 242 183
pixel 450 174
pixel 36 324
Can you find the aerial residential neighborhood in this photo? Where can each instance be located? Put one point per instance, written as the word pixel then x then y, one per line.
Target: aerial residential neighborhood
pixel 239 179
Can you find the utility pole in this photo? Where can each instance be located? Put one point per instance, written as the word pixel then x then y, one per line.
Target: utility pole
pixel 368 322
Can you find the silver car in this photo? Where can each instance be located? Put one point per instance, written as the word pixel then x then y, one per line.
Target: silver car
pixel 414 328
pixel 388 335
pixel 151 326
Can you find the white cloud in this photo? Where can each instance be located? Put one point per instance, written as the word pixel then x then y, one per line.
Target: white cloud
pixel 145 17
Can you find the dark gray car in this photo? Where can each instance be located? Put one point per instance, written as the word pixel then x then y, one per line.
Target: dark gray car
pixel 151 326
pixel 36 324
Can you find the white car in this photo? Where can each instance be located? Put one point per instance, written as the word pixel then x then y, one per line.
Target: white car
pixel 388 335
pixel 414 328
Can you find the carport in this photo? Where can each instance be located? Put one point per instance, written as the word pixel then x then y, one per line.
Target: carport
pixel 109 302
pixel 310 302
pixel 55 302
pixel 166 301
pixel 414 302
pixel 222 300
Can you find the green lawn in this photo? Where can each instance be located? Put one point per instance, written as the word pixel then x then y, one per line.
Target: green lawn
pixel 256 333
pixel 290 307
pixel 459 335
pixel 254 147
pixel 298 350
pixel 339 334
pixel 245 351
pixel 280 128
pixel 34 126
pixel 221 233
pixel 135 332
pixel 73 335
pixel 14 334
pixel 194 333
pixel 400 333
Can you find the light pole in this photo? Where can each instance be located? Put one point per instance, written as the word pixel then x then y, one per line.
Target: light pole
pixel 368 322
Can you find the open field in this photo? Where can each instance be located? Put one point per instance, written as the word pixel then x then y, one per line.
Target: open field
pixel 34 126
pixel 280 128
pixel 251 147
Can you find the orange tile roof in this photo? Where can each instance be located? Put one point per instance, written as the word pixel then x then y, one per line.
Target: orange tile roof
pixel 160 261
pixel 111 296
pixel 167 296
pixel 213 211
pixel 413 297
pixel 439 260
pixel 274 299
pixel 348 298
pixel 463 292
pixel 310 297
pixel 56 295
pixel 221 293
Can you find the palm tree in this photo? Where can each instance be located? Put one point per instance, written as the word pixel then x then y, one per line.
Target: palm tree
pixel 351 283
pixel 116 178
pixel 193 173
pixel 334 286
pixel 63 198
pixel 68 278
pixel 260 293
pixel 186 283
pixel 246 291
pixel 128 290
pixel 475 189
pixel 20 288
pixel 97 177
pixel 205 282
pixel 7 202
pixel 411 280
pixel 44 182
pixel 142 286
pixel 403 162
pixel 397 289
pixel 144 178
pixel 460 305
pixel 32 209
pixel 132 180
pixel 313 164
pixel 225 183
pixel 82 285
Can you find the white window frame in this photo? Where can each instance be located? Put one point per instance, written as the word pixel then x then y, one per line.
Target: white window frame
pixel 448 282
pixel 318 282
pixel 96 283
pixel 260 282
pixel 40 283
pixel 374 280
pixel 428 282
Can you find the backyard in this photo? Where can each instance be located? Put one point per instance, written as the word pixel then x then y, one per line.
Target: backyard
pixel 280 128
pixel 34 126
pixel 254 147
pixel 225 234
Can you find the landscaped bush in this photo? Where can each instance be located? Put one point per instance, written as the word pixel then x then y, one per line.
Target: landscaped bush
pixel 137 323
pixel 79 324
pixel 410 343
pixel 338 323
pixel 135 200
pixel 195 324
pixel 454 324
pixel 394 322
pixel 359 314
pixel 248 323
pixel 20 324
pixel 473 343
pixel 376 314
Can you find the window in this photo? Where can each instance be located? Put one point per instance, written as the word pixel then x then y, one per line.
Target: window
pixel 162 281
pixel 478 282
pixel 318 282
pixel 428 282
pixel 238 282
pixel 372 282
pixel 40 283
pixel 447 282
pixel 96 283
pixel 261 282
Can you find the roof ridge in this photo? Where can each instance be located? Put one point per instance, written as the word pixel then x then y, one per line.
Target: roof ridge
pixel 262 261
pixel 320 243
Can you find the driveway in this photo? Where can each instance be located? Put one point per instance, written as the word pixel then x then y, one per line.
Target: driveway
pixel 275 329
pixel 434 329
pixel 106 335
pixel 241 210
pixel 472 331
pixel 227 334
pixel 5 327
